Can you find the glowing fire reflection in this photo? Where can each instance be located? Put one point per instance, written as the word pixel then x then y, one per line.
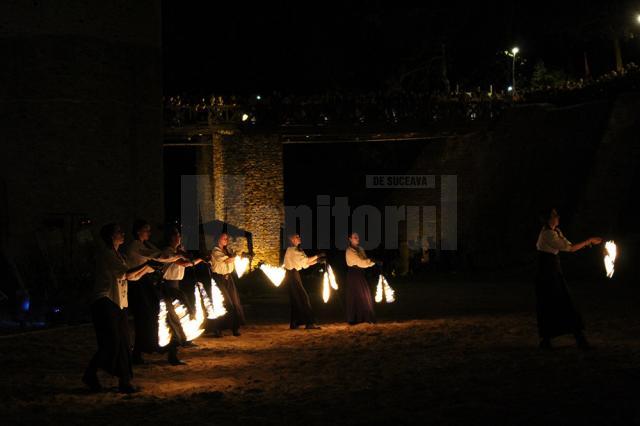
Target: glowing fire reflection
pixel 384 291
pixel 274 273
pixel 611 252
pixel 241 264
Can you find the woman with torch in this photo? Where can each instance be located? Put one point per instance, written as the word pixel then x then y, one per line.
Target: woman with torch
pixel 174 273
pixel 172 276
pixel 143 294
pixel 109 311
pixel 555 310
pixel 295 259
pixel 222 266
pixel 359 299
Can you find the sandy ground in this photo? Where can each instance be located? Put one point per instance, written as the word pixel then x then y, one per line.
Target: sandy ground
pixel 446 353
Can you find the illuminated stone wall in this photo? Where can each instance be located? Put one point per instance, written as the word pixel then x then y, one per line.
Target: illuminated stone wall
pixel 249 188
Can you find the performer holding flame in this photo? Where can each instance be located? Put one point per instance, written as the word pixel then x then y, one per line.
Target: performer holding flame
pixel 555 310
pixel 359 299
pixel 170 289
pixel 143 294
pixel 174 272
pixel 109 311
pixel 222 266
pixel 295 259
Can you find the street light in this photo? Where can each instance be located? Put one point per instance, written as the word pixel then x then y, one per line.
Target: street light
pixel 513 53
pixel 638 18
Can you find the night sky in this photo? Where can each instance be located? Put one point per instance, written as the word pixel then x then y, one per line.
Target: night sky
pixel 311 47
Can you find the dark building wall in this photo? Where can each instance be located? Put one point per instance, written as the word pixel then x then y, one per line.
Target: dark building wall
pixel 579 159
pixel 80 113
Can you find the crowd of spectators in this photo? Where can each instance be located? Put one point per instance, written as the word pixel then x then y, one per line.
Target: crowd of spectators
pixel 583 90
pixel 332 108
pixel 397 108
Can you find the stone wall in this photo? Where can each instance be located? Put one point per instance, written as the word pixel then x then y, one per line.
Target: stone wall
pixel 249 188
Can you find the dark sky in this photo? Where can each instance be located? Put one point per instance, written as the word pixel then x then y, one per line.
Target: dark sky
pixel 312 46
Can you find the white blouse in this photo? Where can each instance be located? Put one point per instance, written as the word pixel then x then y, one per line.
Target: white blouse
pixel 218 264
pixel 139 252
pixel 295 258
pixel 552 241
pixel 357 257
pixel 110 278
pixel 174 272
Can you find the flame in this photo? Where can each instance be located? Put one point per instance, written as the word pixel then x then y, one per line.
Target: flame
pixel 384 290
pixel 611 252
pixel 332 278
pixel 206 300
pixel 217 301
pixel 274 273
pixel 192 328
pixel 328 283
pixel 389 294
pixel 241 264
pixel 379 290
pixel 213 311
pixel 164 332
pixel 326 288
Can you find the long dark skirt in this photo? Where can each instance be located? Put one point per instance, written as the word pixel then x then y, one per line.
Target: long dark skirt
pixel 359 299
pixel 234 317
pixel 301 312
pixel 145 306
pixel 555 310
pixel 112 334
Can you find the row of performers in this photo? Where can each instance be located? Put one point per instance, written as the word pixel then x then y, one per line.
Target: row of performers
pixel 142 278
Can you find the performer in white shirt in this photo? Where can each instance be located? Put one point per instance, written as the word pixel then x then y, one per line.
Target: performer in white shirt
pixel 109 311
pixel 174 272
pixel 556 313
pixel 222 267
pixel 359 298
pixel 295 259
pixel 143 294
pixel 170 290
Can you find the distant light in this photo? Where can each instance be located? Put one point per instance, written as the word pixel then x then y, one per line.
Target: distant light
pixel 258 97
pixel 245 117
pixel 515 50
pixel 510 88
pixel 638 18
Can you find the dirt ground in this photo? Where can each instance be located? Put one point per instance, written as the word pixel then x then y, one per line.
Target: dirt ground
pixel 448 352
